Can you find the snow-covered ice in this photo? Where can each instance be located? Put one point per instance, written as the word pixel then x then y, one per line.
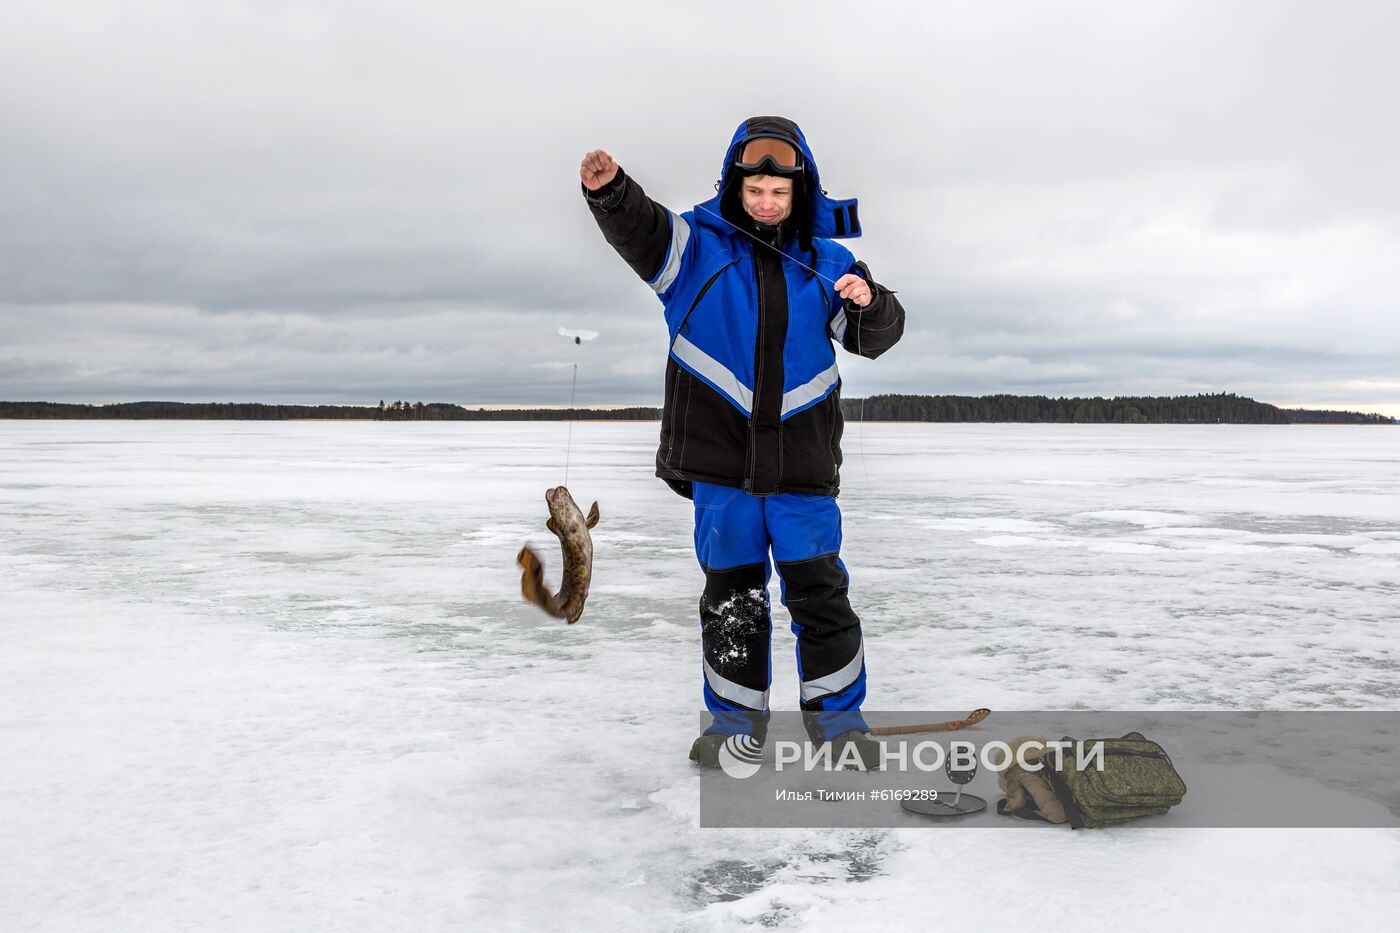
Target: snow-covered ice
pixel 279 676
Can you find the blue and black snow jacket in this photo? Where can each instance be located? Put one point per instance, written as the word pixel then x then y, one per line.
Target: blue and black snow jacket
pixel 752 386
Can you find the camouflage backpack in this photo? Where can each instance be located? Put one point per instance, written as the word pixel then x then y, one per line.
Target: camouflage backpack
pixel 1136 780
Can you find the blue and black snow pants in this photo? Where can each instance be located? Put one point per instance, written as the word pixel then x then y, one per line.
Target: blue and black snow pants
pixel 734 533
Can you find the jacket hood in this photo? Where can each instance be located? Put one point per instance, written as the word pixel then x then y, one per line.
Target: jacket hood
pixel 821 216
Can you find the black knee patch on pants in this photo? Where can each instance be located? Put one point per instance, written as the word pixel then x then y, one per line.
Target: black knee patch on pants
pixel 828 634
pixel 735 624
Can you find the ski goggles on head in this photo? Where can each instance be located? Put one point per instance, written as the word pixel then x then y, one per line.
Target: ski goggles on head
pixel 769 155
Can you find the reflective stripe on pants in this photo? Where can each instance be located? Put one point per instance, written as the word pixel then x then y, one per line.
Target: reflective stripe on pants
pixel 734 534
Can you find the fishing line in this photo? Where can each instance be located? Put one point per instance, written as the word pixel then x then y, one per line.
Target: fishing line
pixel 860 425
pixel 578 337
pixel 569 443
pixel 764 243
pixel 860 441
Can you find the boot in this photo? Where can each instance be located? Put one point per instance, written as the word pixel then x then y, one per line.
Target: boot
pixel 868 755
pixel 705 750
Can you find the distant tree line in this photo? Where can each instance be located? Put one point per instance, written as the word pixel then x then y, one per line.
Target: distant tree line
pixel 1220 408
pixel 559 414
pixel 256 411
pixel 1308 416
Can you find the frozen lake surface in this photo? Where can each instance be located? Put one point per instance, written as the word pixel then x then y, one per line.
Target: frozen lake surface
pixel 279 676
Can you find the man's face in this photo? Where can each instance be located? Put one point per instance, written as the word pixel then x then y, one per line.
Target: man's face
pixel 767 198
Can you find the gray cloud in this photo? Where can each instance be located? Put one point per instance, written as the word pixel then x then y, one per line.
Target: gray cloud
pixel 343 202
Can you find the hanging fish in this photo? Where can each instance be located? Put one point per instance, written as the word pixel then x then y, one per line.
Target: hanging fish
pixel 567 523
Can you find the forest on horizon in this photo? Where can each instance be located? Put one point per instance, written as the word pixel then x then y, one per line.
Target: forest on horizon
pixel 1217 408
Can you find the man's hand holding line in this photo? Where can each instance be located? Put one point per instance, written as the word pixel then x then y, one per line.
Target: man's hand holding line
pixel 854 288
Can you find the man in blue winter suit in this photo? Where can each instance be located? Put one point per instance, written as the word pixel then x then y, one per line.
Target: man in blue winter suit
pixel 755 293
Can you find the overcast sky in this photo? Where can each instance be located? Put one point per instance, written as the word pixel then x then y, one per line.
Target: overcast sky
pixel 343 202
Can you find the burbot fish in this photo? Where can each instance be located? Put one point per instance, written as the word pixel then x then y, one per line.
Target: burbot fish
pixel 571 528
